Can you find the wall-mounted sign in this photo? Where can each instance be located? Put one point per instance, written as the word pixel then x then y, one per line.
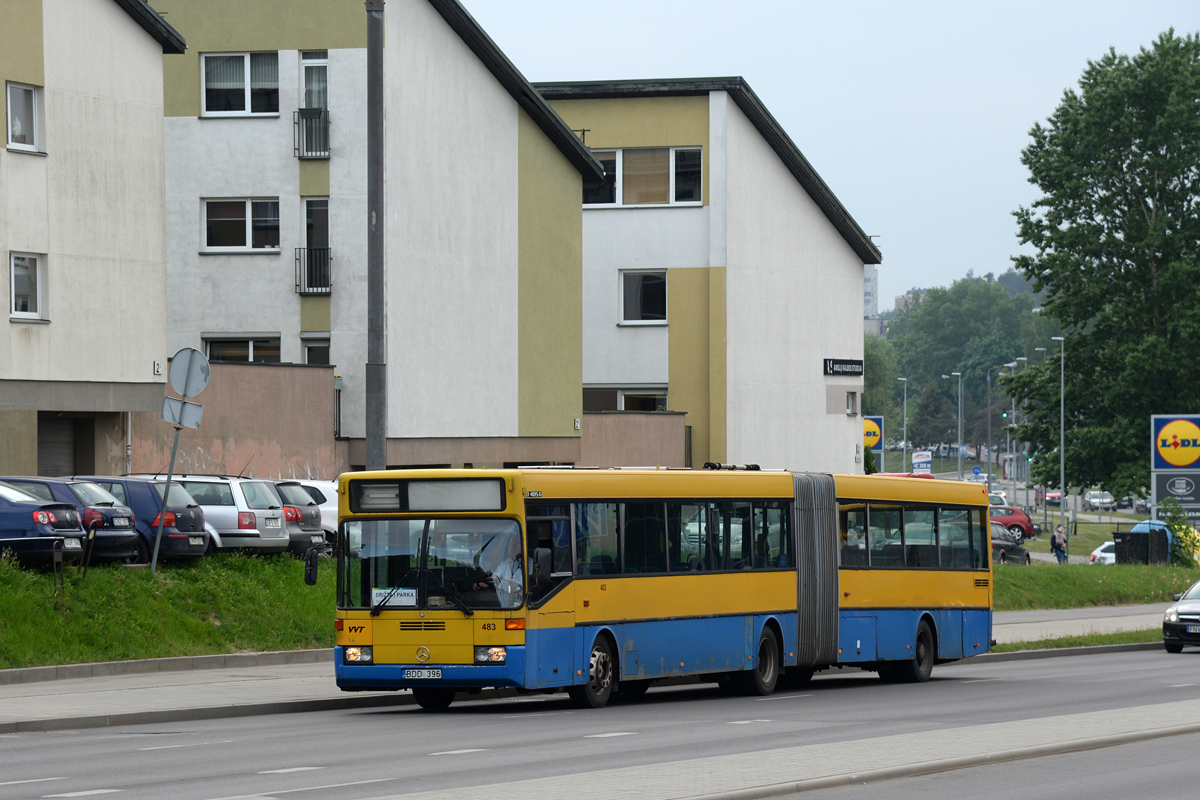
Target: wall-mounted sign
pixel 873 434
pixel 843 366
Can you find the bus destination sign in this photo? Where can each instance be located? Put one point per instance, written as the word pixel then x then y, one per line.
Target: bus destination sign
pixel 843 366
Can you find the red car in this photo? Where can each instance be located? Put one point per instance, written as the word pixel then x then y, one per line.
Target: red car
pixel 1017 521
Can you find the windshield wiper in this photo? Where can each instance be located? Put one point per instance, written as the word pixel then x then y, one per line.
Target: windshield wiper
pixel 375 609
pixel 450 593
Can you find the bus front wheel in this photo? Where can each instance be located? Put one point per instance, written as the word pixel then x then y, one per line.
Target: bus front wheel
pixel 599 687
pixel 433 699
pixel 762 679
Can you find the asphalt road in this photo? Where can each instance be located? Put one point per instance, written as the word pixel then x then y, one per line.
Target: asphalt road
pixel 352 755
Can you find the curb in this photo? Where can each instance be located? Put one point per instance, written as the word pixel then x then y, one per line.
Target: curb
pixel 103 669
pixel 1055 652
pixel 948 764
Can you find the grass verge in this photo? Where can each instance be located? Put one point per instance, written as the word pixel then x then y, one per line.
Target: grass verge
pixel 226 604
pixel 1086 585
pixel 1091 640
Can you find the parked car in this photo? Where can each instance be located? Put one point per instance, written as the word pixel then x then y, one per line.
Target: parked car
pixel 1005 547
pixel 115 537
pixel 183 532
pixel 1097 501
pixel 326 495
pixel 1054 498
pixel 1141 505
pixel 29 526
pixel 1104 554
pixel 1015 520
pixel 246 513
pixel 1181 623
pixel 302 516
pixel 997 498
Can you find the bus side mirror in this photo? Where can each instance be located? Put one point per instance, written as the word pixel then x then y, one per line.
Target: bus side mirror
pixel 543 565
pixel 310 567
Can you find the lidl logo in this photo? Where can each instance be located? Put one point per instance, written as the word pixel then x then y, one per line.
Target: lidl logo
pixel 873 433
pixel 1176 442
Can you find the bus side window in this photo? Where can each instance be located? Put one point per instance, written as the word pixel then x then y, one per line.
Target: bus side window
pixel 954 534
pixel 854 535
pixel 772 542
pixel 645 536
pixel 920 537
pixel 982 539
pixel 596 549
pixel 884 536
pixel 687 528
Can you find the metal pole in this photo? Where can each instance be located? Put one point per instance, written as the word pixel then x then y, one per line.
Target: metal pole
pixel 162 513
pixel 960 441
pixel 1062 406
pixel 904 442
pixel 989 439
pixel 376 377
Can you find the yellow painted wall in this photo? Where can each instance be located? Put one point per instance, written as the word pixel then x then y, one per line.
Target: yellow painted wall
pixel 243 25
pixel 21 42
pixel 641 122
pixel 314 313
pixel 549 286
pixel 696 357
pixel 314 177
pixel 18 441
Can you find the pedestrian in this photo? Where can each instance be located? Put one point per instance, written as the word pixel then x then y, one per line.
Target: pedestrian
pixel 1058 544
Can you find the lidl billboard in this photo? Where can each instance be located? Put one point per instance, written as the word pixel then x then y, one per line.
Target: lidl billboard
pixel 873 433
pixel 1176 443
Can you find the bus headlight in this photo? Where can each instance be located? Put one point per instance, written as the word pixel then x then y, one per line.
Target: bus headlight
pixel 358 655
pixel 490 655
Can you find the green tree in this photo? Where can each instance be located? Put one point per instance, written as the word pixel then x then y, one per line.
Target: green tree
pixel 879 381
pixel 1116 241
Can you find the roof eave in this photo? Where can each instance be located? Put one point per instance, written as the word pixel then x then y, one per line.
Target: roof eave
pixel 521 90
pixel 170 39
pixel 767 126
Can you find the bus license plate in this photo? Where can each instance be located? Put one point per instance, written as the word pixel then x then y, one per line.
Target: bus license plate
pixel 1193 629
pixel 196 540
pixel 422 674
pixel 273 522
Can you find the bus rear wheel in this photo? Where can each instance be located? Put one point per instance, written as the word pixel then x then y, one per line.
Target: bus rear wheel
pixel 599 687
pixel 433 699
pixel 762 679
pixel 920 667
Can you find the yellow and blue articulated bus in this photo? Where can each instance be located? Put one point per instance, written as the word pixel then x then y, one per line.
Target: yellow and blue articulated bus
pixel 602 581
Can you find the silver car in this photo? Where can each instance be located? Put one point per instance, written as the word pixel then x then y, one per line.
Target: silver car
pixel 245 513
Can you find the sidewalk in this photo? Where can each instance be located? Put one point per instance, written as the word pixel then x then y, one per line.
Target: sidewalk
pixel 208 687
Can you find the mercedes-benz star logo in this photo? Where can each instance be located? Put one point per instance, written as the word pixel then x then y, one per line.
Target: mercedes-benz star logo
pixel 422 654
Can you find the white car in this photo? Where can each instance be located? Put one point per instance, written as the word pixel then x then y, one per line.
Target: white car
pixel 1104 554
pixel 324 493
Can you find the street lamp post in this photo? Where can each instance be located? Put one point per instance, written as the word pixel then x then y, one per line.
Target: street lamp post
pixel 1008 445
pixel 1062 427
pixel 1045 509
pixel 959 443
pixel 989 427
pixel 1018 469
pixel 904 441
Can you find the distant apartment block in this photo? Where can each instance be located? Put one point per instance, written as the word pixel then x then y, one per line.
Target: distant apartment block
pixel 870 290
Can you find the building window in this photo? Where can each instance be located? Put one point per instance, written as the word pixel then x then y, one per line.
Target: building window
pixel 851 404
pixel 240 84
pixel 643 298
pixel 315 64
pixel 261 351
pixel 26 286
pixel 23 115
pixel 241 224
pixel 625 399
pixel 316 351
pixel 647 176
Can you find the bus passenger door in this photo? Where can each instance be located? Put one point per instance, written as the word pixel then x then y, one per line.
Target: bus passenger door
pixel 550 641
pixel 555 656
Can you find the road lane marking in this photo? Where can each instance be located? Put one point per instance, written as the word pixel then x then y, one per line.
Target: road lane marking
pixel 530 716
pixel 31 780
pixel 746 721
pixel 189 744
pixel 608 735
pixel 1180 685
pixel 783 697
pixel 267 795
pixel 982 680
pixel 85 794
pixel 460 752
pixel 289 769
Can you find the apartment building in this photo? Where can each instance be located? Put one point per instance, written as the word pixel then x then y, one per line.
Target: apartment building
pixel 722 276
pixel 82 230
pixel 267 221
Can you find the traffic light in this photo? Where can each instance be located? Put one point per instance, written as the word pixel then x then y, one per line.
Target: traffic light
pixel 1004 414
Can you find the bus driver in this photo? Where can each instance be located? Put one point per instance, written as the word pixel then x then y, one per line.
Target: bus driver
pixel 507 577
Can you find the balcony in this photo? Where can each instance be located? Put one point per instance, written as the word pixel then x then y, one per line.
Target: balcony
pixel 311 137
pixel 314 270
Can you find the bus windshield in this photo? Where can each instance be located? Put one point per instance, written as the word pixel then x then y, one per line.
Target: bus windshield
pixel 436 562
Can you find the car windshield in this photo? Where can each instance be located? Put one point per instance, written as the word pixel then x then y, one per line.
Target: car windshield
pixel 14 495
pixel 294 494
pixel 179 497
pixel 431 563
pixel 92 495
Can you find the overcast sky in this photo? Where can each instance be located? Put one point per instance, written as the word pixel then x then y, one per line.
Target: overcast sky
pixel 914 113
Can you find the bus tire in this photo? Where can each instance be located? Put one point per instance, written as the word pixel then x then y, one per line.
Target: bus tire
pixel 761 680
pixel 433 699
pixel 599 687
pixel 920 666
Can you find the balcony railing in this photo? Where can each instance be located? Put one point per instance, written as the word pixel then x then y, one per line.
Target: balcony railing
pixel 314 270
pixel 312 133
